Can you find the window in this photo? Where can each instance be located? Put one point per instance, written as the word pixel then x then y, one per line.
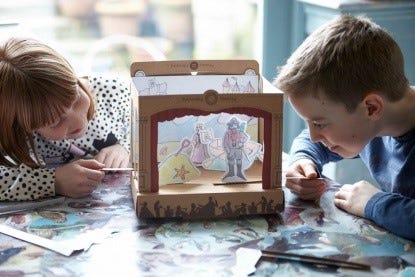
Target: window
pixel 107 35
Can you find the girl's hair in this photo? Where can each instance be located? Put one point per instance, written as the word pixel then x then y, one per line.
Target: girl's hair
pixel 345 59
pixel 36 86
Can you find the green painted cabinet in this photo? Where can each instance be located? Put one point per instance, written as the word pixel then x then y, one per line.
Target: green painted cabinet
pixel 398 17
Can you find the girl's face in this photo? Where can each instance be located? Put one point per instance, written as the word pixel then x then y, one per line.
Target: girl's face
pixel 73 123
pixel 331 124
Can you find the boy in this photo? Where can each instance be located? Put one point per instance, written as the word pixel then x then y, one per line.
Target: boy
pixel 347 82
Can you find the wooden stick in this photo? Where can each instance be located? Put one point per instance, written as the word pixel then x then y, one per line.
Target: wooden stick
pixel 303 178
pixel 117 169
pixel 239 183
pixel 313 259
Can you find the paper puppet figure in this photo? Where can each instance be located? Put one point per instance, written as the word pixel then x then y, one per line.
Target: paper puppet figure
pixel 226 86
pixel 234 140
pixel 217 160
pixel 249 88
pixel 234 87
pixel 154 88
pixel 177 168
pixel 200 141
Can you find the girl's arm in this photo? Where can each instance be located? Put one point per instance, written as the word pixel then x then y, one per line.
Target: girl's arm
pixel 75 179
pixel 119 111
pixel 25 183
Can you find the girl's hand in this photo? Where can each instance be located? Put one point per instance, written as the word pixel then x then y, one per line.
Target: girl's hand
pixel 114 156
pixel 78 178
pixel 353 198
pixel 305 187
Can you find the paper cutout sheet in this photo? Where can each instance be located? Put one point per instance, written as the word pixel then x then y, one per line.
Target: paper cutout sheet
pixel 12 207
pixel 162 85
pixel 178 168
pixel 180 157
pixel 188 142
pixel 75 224
pixel 65 247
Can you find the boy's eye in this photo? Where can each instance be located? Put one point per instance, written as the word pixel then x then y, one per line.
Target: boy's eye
pixel 319 125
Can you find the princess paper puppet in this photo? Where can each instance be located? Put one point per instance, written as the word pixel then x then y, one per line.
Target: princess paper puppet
pixel 200 141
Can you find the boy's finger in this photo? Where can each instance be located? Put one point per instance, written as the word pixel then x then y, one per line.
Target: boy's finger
pixel 309 171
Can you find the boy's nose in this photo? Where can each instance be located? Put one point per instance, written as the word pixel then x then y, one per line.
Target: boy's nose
pixel 315 136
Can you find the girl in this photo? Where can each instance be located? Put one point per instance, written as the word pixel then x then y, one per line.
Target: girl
pixel 57 130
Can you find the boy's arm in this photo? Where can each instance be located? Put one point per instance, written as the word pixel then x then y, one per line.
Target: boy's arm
pixel 25 183
pixel 393 212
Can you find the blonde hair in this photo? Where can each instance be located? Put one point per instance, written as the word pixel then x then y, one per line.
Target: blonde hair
pixel 345 59
pixel 36 85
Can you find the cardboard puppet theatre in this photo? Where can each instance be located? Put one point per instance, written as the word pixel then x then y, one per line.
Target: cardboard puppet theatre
pixel 206 140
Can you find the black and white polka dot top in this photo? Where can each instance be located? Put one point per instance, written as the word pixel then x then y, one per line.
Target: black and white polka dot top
pixel 110 125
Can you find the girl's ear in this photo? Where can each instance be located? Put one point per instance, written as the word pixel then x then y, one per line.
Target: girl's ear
pixel 374 105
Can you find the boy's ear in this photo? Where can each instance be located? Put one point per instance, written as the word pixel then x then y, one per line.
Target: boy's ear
pixel 374 105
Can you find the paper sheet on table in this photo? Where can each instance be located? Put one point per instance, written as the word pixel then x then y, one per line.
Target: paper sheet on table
pixel 13 207
pixel 246 259
pixel 64 247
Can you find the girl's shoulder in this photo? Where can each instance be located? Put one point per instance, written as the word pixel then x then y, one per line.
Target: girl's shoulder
pixel 109 92
pixel 102 82
pixel 108 87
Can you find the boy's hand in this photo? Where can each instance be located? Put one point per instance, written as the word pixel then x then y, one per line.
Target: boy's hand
pixel 79 178
pixel 353 198
pixel 305 187
pixel 114 156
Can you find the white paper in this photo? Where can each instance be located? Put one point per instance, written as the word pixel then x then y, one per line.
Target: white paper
pixel 64 247
pixel 246 259
pixel 19 206
pixel 171 85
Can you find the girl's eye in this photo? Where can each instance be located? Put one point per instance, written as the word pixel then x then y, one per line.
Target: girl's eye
pixel 78 100
pixel 55 124
pixel 58 122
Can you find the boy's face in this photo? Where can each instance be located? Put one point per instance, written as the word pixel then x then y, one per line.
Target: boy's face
pixel 330 123
pixel 73 123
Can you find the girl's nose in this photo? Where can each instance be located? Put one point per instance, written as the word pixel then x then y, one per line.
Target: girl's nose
pixel 75 123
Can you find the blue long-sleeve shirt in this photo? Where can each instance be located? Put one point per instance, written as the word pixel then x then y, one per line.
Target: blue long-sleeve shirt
pixel 391 162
